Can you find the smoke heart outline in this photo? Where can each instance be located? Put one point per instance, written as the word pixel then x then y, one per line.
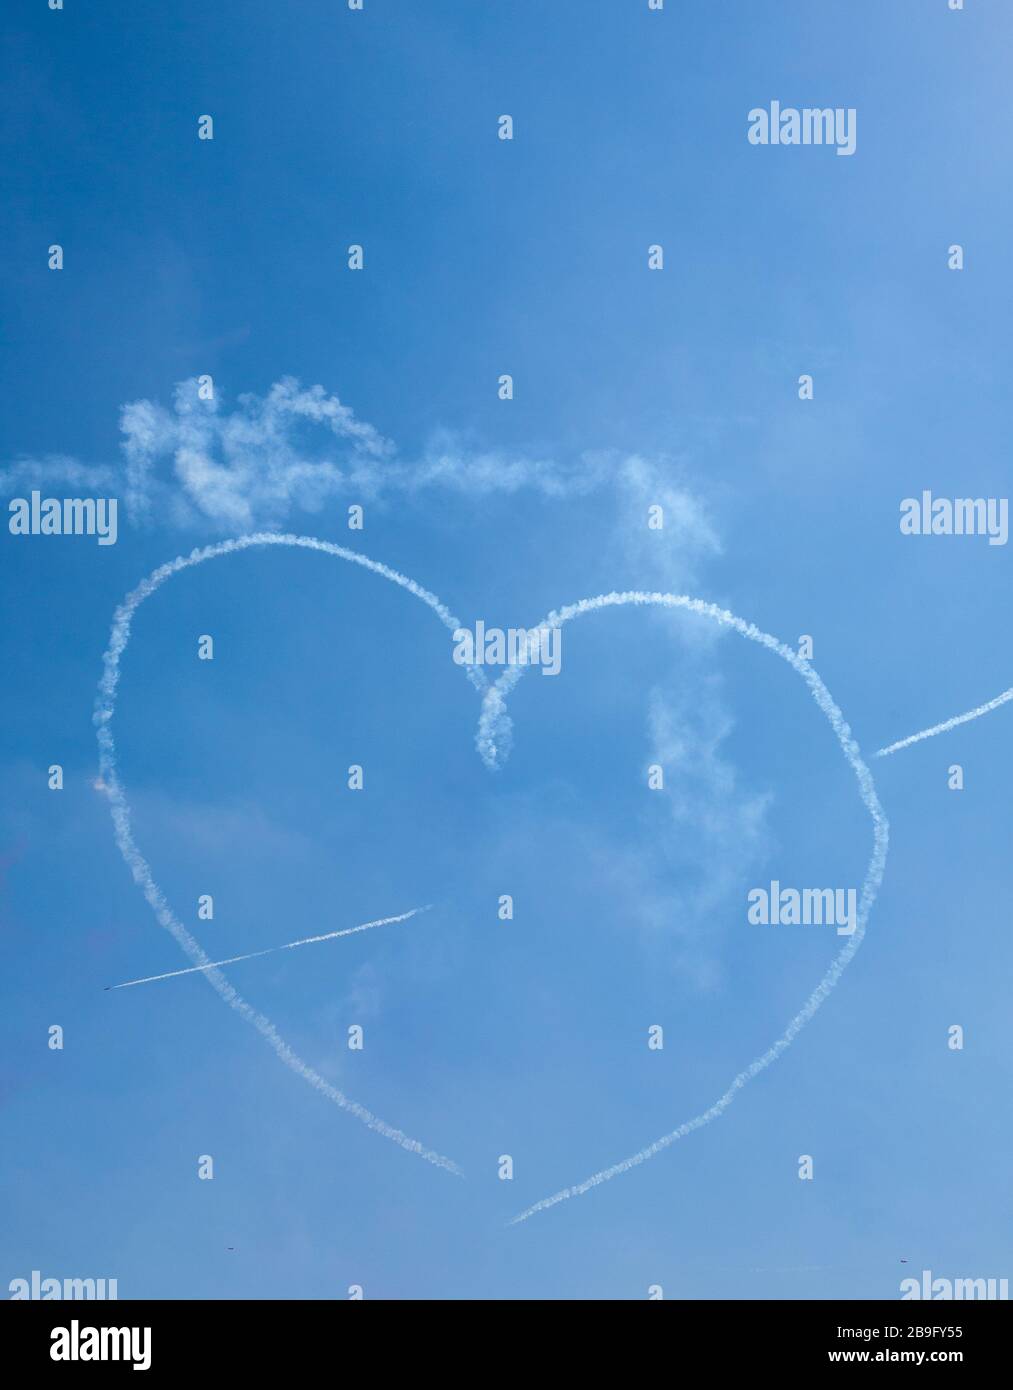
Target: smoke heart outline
pixel 492 740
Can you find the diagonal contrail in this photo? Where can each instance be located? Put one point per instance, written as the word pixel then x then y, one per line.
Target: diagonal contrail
pixel 250 955
pixel 948 724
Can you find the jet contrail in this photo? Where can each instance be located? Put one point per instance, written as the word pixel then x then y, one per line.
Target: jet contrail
pixel 105 705
pixel 251 955
pixel 947 724
pixel 494 726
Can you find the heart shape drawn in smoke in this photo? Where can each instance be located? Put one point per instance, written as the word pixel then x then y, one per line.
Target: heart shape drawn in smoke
pixel 493 741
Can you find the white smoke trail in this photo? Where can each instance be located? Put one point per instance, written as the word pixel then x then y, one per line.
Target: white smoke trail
pixel 494 721
pixel 947 724
pixel 105 705
pixel 288 946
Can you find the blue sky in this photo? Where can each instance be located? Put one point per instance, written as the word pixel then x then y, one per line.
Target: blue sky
pixel 631 387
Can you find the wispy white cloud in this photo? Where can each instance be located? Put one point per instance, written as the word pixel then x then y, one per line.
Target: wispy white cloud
pixel 680 883
pixel 451 462
pixel 218 468
pixel 58 468
pixel 668 556
pixel 249 466
pixel 720 831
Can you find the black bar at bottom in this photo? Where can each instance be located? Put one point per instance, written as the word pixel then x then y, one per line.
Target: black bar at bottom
pixel 179 1338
